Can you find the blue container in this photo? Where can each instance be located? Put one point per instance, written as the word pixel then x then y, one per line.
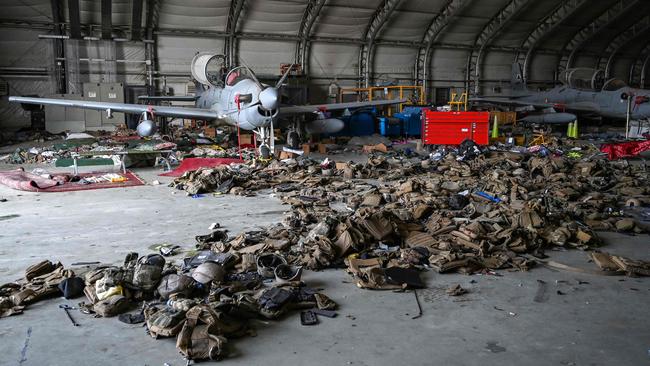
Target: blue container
pixel 390 126
pixel 411 118
pixel 359 123
pixel 362 123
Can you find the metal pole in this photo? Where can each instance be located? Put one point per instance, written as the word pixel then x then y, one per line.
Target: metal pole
pixel 627 121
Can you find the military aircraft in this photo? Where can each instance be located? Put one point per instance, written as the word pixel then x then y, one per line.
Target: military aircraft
pixel 235 97
pixel 583 91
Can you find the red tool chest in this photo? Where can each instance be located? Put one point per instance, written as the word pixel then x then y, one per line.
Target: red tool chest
pixel 451 128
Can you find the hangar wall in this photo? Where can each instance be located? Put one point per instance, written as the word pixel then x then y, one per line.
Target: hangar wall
pixel 269 32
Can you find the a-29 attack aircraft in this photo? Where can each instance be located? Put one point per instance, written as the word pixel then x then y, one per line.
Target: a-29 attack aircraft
pixel 238 99
pixel 584 91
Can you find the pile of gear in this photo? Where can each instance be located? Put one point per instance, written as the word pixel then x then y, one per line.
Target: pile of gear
pixel 385 221
pixel 207 300
pixel 483 211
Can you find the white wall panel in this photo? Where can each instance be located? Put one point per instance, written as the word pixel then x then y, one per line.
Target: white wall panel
pixel 394 62
pixel 176 53
pixel 265 57
pixel 334 60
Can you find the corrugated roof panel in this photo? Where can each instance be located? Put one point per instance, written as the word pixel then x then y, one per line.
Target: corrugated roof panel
pixel 37 10
pixel 202 15
pixel 273 16
pixel 343 21
pixel 406 26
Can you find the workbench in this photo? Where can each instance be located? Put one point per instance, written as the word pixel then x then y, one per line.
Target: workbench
pixel 121 154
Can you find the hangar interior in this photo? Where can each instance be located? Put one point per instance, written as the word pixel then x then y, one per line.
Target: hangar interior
pixel 483 162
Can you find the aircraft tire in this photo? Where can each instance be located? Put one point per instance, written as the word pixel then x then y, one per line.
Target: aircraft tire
pixel 293 139
pixel 265 152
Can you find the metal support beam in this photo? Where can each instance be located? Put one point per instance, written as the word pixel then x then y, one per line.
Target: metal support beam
pixel 367 50
pixel 644 72
pixel 151 24
pixel 434 30
pixel 74 15
pixel 58 19
pixel 588 32
pixel 303 47
pixel 229 49
pixel 136 20
pixel 545 27
pixel 621 40
pixel 107 20
pixel 637 64
pixel 491 30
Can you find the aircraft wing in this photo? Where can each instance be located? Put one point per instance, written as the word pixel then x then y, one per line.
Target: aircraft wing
pixel 313 108
pixel 584 107
pixel 509 101
pixel 179 112
pixel 168 98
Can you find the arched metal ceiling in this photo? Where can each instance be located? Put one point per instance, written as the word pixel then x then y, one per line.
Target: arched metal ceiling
pixel 524 28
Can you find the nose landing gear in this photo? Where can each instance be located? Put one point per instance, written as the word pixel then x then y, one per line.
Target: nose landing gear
pixel 267 139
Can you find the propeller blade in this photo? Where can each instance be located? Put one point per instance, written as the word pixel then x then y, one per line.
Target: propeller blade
pixel 278 85
pixel 255 79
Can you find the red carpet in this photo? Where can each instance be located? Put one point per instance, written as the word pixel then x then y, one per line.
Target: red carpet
pixel 24 181
pixel 625 149
pixel 196 163
pixel 133 181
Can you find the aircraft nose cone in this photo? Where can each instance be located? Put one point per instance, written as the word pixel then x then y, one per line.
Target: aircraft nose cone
pixel 269 98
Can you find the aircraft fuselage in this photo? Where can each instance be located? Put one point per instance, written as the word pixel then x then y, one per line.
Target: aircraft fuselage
pixel 610 104
pixel 237 104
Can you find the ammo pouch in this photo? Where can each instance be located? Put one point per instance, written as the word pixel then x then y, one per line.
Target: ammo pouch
pixel 148 272
pixel 112 306
pixel 91 294
pixel 163 322
pixel 40 269
pixel 197 340
pixel 43 286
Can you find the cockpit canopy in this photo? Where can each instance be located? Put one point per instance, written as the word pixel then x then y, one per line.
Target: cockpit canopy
pixel 238 74
pixel 614 85
pixel 589 80
pixel 208 68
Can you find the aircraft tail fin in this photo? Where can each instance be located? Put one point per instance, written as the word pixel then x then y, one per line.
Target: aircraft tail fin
pixel 517 78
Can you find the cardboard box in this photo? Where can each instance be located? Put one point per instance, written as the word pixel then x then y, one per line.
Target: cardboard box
pixel 246 139
pixel 287 155
pixel 379 147
pixel 306 148
pixel 209 131
pixel 322 149
pixel 341 166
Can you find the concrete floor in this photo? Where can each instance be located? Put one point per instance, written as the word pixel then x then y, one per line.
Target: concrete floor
pixel 599 321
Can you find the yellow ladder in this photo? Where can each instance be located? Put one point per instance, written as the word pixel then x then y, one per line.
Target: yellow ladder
pixel 458 101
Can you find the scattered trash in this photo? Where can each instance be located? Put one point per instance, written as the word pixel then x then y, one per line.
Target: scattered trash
pixel 456 290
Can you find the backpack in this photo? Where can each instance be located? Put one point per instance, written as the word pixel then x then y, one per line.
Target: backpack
pixel 112 306
pixel 197 339
pixel 130 262
pixel 163 322
pixel 148 272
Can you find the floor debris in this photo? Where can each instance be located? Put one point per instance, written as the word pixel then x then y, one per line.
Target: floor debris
pixel 456 290
pixel 384 221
